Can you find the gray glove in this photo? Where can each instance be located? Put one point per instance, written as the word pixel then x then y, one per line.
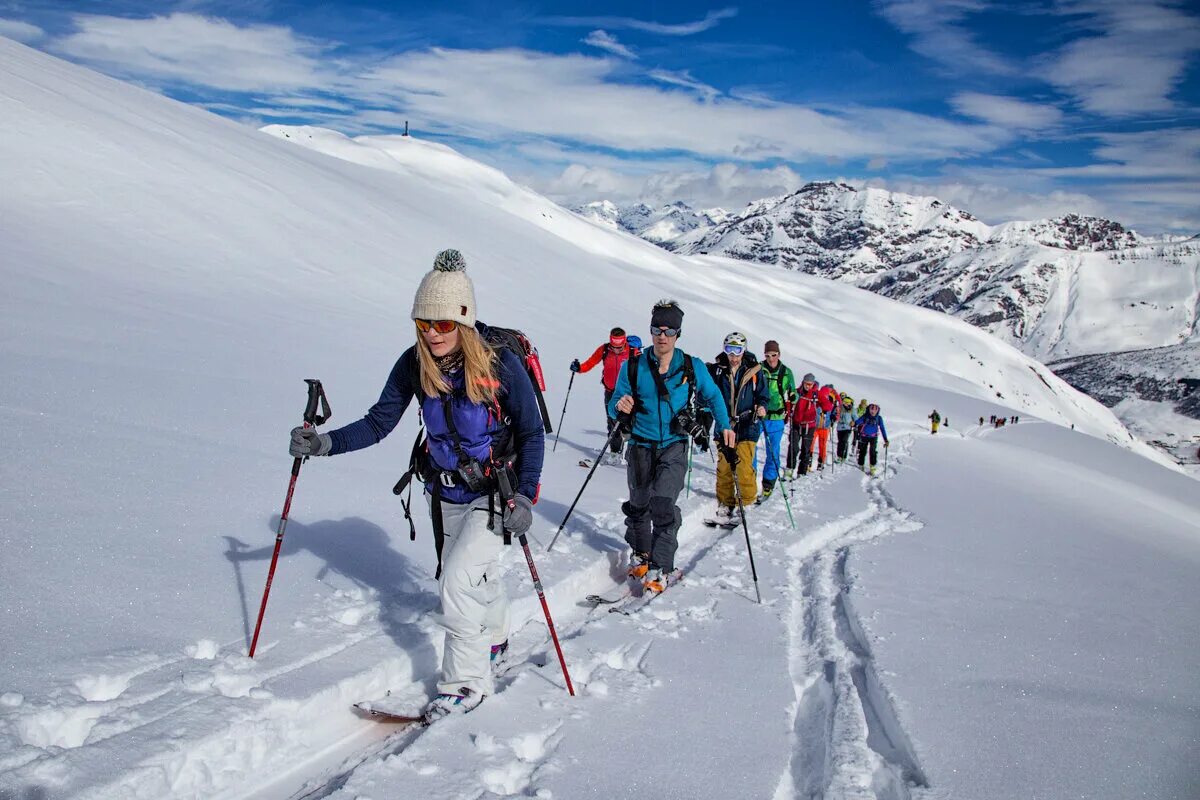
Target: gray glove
pixel 518 518
pixel 307 442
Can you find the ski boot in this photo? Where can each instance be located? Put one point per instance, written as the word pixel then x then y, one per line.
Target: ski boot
pixel 639 563
pixel 655 581
pixel 446 704
pixel 499 655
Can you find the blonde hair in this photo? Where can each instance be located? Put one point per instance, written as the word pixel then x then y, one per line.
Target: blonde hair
pixel 479 367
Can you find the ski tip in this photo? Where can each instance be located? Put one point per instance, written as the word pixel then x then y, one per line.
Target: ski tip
pixel 367 711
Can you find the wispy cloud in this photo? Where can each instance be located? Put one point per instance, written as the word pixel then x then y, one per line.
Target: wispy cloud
pixel 20 31
pixel 606 41
pixel 1007 112
pixel 939 31
pixel 684 80
pixel 1132 64
pixel 711 20
pixel 198 50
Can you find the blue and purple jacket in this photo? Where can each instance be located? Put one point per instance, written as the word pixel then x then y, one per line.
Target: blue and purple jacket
pixel 477 424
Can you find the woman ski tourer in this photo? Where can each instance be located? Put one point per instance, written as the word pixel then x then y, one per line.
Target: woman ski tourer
pixel 870 428
pixel 482 420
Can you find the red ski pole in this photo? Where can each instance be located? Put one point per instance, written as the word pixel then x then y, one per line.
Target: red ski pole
pixel 316 394
pixel 506 494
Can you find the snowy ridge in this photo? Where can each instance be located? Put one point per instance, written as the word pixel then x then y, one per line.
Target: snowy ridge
pixel 1054 288
pixel 172 279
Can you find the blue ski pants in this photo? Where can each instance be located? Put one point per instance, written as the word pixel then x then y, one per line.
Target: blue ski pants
pixel 773 429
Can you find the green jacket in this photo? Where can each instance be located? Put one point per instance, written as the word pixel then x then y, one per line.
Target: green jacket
pixel 781 385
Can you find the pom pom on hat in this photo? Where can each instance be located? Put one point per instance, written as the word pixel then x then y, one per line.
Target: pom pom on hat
pixel 446 292
pixel 449 261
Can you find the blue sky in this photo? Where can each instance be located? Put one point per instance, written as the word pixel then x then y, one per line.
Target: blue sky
pixel 1014 109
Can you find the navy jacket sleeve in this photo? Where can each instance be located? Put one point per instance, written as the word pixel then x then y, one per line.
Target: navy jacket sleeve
pixel 762 395
pixel 383 417
pixel 710 394
pixel 525 420
pixel 883 428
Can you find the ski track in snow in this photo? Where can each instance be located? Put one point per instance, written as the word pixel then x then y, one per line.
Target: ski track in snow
pixel 848 740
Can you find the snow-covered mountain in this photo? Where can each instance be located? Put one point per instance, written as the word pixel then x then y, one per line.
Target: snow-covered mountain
pixel 662 225
pixel 1155 391
pixel 966 626
pixel 1053 288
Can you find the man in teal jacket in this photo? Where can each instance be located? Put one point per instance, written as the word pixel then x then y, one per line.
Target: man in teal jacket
pixel 654 388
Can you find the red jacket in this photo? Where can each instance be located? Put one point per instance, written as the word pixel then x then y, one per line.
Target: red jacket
pixel 613 360
pixel 829 401
pixel 804 409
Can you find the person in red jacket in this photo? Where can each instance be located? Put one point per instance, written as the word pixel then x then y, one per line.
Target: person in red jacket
pixel 613 355
pixel 828 402
pixel 803 414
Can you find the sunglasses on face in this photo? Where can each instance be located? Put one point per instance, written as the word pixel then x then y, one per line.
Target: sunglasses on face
pixel 772 355
pixel 734 349
pixel 663 331
pixel 442 326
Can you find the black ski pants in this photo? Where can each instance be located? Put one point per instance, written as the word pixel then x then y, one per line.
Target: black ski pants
pixel 843 445
pixel 652 520
pixel 800 443
pixel 866 443
pixel 618 442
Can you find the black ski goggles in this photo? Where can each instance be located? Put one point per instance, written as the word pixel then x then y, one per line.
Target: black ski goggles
pixel 672 332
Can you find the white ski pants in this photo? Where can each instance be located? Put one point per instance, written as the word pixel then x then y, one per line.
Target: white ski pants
pixel 474 605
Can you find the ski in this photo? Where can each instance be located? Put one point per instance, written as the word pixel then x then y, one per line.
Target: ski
pixel 372 711
pixel 635 603
pixel 611 597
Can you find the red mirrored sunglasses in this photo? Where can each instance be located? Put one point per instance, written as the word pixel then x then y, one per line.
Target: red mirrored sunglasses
pixel 442 326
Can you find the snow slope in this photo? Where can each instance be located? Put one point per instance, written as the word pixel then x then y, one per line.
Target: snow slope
pixel 170 278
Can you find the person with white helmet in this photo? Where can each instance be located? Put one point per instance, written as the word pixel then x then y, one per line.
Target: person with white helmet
pixel 736 372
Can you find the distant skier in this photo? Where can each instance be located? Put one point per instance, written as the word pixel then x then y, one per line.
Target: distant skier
pixel 781 389
pixel 803 428
pixel 481 416
pixel 658 389
pixel 870 427
pixel 845 427
pixel 635 348
pixel 736 373
pixel 981 422
pixel 935 419
pixel 612 354
pixel 828 405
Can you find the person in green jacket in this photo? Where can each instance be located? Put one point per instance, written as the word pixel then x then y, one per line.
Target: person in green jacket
pixel 781 391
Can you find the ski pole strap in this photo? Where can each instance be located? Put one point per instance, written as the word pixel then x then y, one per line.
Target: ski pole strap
pixel 316 397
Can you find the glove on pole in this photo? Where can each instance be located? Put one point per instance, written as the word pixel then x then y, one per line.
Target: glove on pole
pixel 316 395
pixel 563 416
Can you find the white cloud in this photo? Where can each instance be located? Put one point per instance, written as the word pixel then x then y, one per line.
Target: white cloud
pixel 684 80
pixel 711 20
pixel 727 185
pixel 1007 112
pixel 1133 65
pixel 493 95
pixel 606 41
pixel 1145 155
pixel 938 33
pixel 20 31
pixel 198 50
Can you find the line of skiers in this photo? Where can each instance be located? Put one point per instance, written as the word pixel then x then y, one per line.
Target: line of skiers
pixel 999 421
pixel 480 456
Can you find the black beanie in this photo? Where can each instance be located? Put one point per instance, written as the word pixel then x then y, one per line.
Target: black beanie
pixel 667 314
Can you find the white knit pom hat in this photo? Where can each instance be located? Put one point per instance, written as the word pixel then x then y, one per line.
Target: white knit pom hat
pixel 446 292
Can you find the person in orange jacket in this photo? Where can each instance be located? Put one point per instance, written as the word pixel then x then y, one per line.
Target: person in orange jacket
pixel 612 355
pixel 828 402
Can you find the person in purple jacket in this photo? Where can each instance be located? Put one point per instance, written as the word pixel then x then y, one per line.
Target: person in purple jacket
pixel 481 415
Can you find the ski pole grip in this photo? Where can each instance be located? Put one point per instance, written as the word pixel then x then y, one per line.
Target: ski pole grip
pixel 316 399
